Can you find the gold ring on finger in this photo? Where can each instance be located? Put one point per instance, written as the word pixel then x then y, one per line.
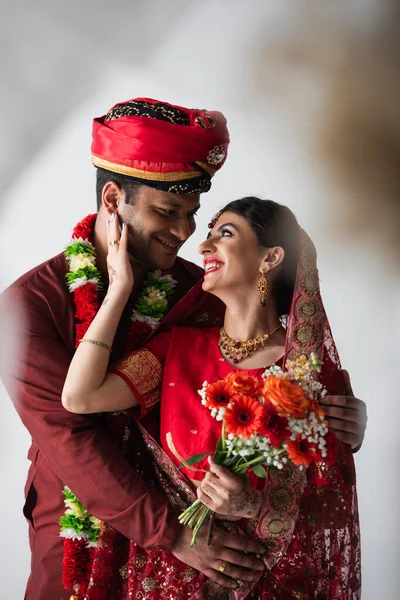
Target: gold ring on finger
pixel 114 242
pixel 222 566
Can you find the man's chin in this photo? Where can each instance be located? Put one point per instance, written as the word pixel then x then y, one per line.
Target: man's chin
pixel 162 262
pixel 166 263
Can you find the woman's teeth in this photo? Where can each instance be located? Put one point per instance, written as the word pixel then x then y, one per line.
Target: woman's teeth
pixel 212 266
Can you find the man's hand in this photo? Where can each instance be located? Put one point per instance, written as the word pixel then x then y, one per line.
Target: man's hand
pixel 347 415
pixel 229 495
pixel 224 547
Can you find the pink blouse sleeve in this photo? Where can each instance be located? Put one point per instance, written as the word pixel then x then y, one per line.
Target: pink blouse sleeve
pixel 142 371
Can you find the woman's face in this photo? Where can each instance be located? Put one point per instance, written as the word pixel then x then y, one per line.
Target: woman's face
pixel 233 258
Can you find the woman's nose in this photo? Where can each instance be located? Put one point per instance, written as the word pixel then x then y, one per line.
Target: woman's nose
pixel 206 246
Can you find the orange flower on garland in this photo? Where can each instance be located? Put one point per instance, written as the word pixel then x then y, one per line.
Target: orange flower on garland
pixel 244 384
pixel 243 416
pixel 219 394
pixel 288 398
pixel 301 452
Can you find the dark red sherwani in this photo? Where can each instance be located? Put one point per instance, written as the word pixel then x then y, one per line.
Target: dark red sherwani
pixel 77 450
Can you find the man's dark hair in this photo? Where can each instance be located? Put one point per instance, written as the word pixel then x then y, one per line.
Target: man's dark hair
pixel 127 184
pixel 274 225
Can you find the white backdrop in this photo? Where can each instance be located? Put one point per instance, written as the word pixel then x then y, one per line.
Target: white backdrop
pixel 268 157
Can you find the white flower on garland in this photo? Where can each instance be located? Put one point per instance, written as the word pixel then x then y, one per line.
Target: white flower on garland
pixel 155 296
pixel 79 261
pixel 167 278
pixel 71 534
pixel 152 321
pixel 73 508
pixel 80 281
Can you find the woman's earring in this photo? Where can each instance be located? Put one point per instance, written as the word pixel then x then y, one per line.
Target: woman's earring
pixel 263 289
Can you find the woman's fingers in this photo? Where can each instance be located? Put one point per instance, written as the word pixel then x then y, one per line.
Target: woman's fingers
pixel 113 232
pixel 118 263
pixel 124 238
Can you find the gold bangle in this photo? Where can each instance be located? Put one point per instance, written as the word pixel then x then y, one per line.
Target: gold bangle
pixel 102 344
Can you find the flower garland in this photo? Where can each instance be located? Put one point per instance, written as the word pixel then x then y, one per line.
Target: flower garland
pixel 84 280
pixel 79 528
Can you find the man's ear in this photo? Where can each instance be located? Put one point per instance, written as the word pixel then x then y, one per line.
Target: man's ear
pixel 111 196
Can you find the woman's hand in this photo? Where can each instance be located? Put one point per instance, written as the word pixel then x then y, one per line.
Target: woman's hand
pixel 229 495
pixel 120 273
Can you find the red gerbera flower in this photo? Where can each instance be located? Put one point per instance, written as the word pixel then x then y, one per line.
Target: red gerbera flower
pixel 273 426
pixel 219 394
pixel 243 417
pixel 302 452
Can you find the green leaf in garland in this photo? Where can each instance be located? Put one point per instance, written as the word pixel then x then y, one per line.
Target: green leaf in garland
pixel 78 248
pixel 72 522
pixel 89 272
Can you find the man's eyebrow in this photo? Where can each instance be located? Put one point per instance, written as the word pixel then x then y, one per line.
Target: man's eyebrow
pixel 175 205
pixel 168 203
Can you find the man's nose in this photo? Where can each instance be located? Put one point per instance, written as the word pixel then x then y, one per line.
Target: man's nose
pixel 182 229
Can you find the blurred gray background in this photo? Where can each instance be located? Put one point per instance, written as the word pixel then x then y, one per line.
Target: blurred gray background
pixel 310 89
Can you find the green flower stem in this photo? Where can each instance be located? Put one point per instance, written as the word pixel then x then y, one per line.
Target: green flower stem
pixel 189 510
pixel 223 437
pixel 246 465
pixel 256 461
pixel 204 513
pixel 190 514
pixel 193 520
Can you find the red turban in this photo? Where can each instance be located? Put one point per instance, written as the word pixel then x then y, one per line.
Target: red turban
pixel 168 147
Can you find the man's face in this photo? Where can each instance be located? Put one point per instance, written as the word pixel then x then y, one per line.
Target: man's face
pixel 158 224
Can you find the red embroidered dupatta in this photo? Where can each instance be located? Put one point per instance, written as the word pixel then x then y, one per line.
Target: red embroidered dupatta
pixel 308 522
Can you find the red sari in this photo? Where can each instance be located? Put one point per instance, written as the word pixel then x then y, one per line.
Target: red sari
pixel 309 519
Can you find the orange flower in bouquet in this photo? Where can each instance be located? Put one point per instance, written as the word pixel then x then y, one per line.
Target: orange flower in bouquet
pixel 243 416
pixel 265 424
pixel 219 394
pixel 244 384
pixel 288 398
pixel 302 452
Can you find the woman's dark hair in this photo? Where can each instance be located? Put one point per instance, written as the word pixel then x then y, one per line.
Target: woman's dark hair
pixel 127 184
pixel 274 225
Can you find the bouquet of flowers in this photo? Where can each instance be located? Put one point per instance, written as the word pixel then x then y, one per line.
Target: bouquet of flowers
pixel 265 424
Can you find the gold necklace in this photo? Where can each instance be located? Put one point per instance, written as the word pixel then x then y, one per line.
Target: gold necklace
pixel 237 350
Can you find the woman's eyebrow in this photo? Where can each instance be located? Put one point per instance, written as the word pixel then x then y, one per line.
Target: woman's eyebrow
pixel 228 225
